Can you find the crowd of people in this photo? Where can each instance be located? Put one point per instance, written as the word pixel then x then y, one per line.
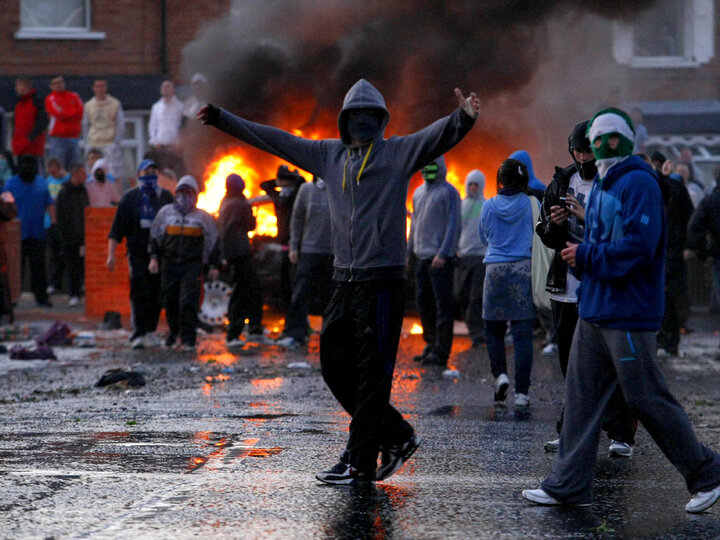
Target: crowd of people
pixel 619 226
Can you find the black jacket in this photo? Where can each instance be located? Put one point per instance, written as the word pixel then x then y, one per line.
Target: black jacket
pixel 706 220
pixel 70 206
pixel 678 209
pixel 235 222
pixel 552 235
pixel 283 208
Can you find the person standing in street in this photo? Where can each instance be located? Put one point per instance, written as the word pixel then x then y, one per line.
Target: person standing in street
pixel 434 235
pixel 30 122
pixel 367 178
pixel 621 265
pixel 70 207
pixel 104 125
pixel 65 110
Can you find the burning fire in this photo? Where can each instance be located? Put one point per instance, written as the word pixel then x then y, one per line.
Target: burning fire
pixel 416 329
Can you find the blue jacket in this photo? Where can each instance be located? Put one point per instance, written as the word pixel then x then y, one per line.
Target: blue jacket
pixel 367 186
pixel 534 182
pixel 435 228
pixel 31 199
pixel 622 262
pixel 506 225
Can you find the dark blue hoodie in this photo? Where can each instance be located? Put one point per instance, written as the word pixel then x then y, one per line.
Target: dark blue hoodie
pixel 622 262
pixel 368 210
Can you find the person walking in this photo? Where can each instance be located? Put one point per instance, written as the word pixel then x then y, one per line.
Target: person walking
pixel 621 265
pixel 433 241
pixel 367 178
pixel 506 226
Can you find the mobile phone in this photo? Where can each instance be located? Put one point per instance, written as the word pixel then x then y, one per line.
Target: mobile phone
pixel 562 202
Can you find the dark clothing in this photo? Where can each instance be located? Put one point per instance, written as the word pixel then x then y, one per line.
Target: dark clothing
pixel 8 211
pixel 55 256
pixel 75 264
pixel 522 332
pixel 33 250
pixel 283 208
pixel 679 210
pixel 434 292
pixel 246 301
pixel 313 281
pixel 705 221
pixel 469 283
pixel 236 220
pixel 70 207
pixel 180 296
pixel 144 296
pixel 126 223
pixel 358 346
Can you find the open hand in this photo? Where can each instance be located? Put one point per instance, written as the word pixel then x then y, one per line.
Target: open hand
pixel 470 104
pixel 202 114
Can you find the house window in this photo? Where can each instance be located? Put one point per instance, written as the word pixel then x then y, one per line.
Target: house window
pixel 56 19
pixel 671 34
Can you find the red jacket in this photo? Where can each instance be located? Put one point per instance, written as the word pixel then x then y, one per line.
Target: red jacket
pixel 30 123
pixel 65 110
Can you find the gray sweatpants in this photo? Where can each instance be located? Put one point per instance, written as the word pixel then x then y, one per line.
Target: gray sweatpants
pixel 600 359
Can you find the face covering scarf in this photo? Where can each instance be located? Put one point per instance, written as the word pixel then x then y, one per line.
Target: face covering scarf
pixel 148 188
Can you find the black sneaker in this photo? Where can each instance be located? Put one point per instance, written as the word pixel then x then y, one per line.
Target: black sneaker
pixel 394 457
pixel 432 359
pixel 343 474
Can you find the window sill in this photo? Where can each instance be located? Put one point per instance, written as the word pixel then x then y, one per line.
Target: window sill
pixel 54 34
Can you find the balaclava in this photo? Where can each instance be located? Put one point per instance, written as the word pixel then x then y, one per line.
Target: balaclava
pixel 579 141
pixel 430 172
pixel 27 168
pixel 234 185
pixel 148 188
pixel 186 194
pixel 609 123
pixel 364 125
pixel 98 170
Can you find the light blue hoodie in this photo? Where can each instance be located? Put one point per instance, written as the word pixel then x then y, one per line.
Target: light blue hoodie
pixel 506 226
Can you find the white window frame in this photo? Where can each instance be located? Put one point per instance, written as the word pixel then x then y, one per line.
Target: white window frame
pixel 54 32
pixel 699 35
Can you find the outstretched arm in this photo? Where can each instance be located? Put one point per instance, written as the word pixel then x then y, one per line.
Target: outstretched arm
pixel 304 153
pixel 470 104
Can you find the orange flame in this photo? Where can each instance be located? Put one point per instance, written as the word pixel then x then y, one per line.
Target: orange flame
pixel 416 329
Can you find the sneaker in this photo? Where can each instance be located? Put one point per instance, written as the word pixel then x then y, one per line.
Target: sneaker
pixel 522 400
pixel 50 290
pixel 170 341
pixel 74 301
pixel 433 359
pixel 235 343
pixel 343 474
pixel 552 446
pixel 137 343
pixel 550 349
pixel 702 500
pixel 420 357
pixel 620 449
pixel 260 338
pixel 501 387
pixel 151 340
pixel 394 457
pixel 188 347
pixel 539 496
pixel 287 342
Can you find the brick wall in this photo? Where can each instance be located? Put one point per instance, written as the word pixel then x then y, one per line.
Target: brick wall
pixel 104 290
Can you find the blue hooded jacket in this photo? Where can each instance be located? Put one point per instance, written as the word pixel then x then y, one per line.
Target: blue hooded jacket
pixel 622 262
pixel 506 226
pixel 367 185
pixel 533 181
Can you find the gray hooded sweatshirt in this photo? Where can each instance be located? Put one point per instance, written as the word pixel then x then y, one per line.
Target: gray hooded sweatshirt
pixel 471 245
pixel 367 186
pixel 310 223
pixel 435 228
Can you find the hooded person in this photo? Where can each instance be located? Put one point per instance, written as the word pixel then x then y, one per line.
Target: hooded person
pixel 506 226
pixel 620 305
pixel 434 235
pixel 100 188
pixel 236 220
pixel 134 216
pixel 367 178
pixel 535 186
pixel 283 191
pixel 562 220
pixel 32 199
pixel 183 240
pixel 470 271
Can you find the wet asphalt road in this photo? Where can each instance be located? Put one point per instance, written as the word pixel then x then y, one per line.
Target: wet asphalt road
pixel 222 445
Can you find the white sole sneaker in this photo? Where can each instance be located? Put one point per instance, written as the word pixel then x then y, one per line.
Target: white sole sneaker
pixel 620 449
pixel 502 383
pixel 539 496
pixel 703 500
pixel 552 446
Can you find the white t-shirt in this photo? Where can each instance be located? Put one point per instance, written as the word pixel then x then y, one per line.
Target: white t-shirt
pixel 165 121
pixel 580 189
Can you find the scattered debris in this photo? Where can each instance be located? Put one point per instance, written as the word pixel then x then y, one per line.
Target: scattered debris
pixel 85 339
pixel 59 333
pixel 121 378
pixel 41 352
pixel 299 365
pixel 451 374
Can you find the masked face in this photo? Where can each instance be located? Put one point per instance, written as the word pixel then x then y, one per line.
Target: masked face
pixel 611 145
pixel 99 175
pixel 430 172
pixel 185 200
pixel 27 168
pixel 363 125
pixel 148 178
pixel 585 163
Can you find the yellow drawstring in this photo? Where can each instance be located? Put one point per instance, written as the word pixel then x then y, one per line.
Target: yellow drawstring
pixel 362 167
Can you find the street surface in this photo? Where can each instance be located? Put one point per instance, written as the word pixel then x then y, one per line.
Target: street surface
pixel 225 445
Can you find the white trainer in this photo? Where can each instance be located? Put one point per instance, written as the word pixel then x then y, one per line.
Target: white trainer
pixel 522 400
pixel 539 496
pixel 620 449
pixel 501 387
pixel 702 500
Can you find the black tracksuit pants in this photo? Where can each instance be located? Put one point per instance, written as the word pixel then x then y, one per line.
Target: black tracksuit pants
pixel 180 293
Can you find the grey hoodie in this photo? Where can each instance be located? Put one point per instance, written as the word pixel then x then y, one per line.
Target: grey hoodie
pixel 470 242
pixel 435 228
pixel 310 223
pixel 367 204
